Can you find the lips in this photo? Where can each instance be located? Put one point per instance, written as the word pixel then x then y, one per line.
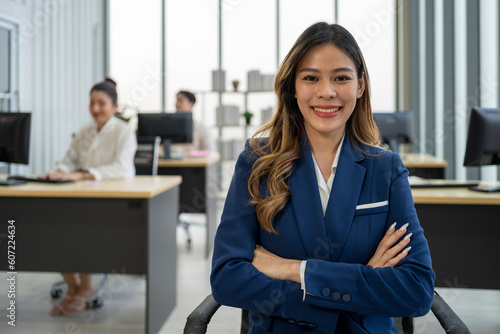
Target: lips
pixel 326 111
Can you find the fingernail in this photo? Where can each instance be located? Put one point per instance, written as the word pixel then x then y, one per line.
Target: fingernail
pixel 392 226
pixel 407 249
pixel 408 236
pixel 404 226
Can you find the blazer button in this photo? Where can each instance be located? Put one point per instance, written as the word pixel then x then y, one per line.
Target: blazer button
pixel 336 295
pixel 326 292
pixel 346 298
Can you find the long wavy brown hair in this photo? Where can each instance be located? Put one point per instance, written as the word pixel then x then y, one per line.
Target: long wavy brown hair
pixel 285 130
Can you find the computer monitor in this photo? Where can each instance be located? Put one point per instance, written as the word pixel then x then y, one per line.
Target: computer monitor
pixel 395 128
pixel 176 127
pixel 15 137
pixel 483 140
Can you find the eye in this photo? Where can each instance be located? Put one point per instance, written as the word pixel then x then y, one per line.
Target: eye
pixel 342 78
pixel 310 78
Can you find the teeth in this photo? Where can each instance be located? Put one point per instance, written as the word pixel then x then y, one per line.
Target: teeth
pixel 326 110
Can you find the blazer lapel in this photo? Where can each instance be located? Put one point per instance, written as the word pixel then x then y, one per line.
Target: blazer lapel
pixel 344 197
pixel 306 204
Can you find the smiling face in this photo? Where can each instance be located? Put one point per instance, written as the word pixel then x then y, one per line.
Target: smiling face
pixel 326 88
pixel 101 107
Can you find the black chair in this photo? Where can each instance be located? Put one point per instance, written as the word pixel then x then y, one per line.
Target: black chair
pixel 198 320
pixel 147 155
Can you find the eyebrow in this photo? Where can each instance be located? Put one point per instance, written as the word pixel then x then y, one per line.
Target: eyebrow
pixel 339 69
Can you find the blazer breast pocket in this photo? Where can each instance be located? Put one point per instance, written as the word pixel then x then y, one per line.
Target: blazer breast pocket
pixel 372 208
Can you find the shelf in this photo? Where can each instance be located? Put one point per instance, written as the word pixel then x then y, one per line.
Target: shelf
pixel 235 92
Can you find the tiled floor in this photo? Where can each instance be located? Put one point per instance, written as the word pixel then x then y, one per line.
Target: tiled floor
pixel 124 303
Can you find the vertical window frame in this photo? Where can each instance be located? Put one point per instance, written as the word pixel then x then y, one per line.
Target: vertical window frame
pixel 13 95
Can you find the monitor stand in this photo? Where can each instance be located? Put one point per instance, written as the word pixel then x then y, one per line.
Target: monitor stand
pixel 12 182
pixel 166 148
pixel 486 189
pixel 8 182
pixel 394 145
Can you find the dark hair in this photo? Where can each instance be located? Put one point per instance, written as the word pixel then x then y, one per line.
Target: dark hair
pixel 286 128
pixel 190 96
pixel 108 86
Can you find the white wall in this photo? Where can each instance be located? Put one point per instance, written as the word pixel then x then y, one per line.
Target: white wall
pixel 61 55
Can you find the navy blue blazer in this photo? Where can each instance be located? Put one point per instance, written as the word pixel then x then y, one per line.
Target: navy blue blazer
pixel 344 295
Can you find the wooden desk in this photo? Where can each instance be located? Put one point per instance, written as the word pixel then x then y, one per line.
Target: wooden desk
pixel 424 165
pixel 189 162
pixel 198 189
pixel 117 226
pixel 463 228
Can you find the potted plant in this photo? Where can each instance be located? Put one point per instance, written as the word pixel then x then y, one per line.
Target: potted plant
pixel 248 116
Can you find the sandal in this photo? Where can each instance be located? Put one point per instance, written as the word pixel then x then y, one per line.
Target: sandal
pixel 58 309
pixel 76 306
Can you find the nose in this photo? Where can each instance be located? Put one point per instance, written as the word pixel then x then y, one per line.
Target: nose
pixel 326 90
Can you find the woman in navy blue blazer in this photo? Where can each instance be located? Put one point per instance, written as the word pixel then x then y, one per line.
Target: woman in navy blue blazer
pixel 319 232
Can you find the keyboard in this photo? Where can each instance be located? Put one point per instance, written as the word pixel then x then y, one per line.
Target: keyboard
pixel 417 182
pixel 35 179
pixel 11 182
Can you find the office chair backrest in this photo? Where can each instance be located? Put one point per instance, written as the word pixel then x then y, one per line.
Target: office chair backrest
pixel 198 320
pixel 148 151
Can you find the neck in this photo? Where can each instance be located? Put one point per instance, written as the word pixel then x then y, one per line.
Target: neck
pixel 324 144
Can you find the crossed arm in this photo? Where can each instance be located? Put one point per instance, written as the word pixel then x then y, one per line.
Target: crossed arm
pixel 388 254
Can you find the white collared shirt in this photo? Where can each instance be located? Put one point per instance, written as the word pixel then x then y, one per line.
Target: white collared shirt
pixel 325 188
pixel 202 141
pixel 106 154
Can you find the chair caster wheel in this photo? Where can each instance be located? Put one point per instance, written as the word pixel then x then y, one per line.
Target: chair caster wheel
pixel 188 244
pixel 97 303
pixel 56 293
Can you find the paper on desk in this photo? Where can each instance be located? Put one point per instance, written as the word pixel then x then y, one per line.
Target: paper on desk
pixel 413 180
pixel 92 183
pixel 199 154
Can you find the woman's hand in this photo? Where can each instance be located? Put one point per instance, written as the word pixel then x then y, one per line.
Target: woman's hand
pixel 276 267
pixel 59 175
pixel 388 254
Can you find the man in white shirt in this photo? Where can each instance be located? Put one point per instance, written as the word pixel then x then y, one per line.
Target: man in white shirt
pixel 202 139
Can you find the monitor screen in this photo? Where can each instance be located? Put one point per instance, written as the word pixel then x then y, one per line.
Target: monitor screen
pixel 15 137
pixel 483 139
pixel 178 127
pixel 395 128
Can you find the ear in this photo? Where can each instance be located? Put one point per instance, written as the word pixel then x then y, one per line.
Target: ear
pixel 361 87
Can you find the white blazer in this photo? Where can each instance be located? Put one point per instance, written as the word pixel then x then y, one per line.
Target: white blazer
pixel 107 154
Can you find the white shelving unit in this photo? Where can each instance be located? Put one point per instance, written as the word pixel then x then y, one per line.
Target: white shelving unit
pixel 241 124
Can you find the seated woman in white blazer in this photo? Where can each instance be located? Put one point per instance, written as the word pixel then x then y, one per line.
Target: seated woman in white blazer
pixel 103 150
pixel 319 233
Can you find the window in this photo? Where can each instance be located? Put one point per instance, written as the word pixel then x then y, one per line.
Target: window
pixel 135 52
pixel 8 66
pixel 297 15
pixel 191 38
pixel 372 23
